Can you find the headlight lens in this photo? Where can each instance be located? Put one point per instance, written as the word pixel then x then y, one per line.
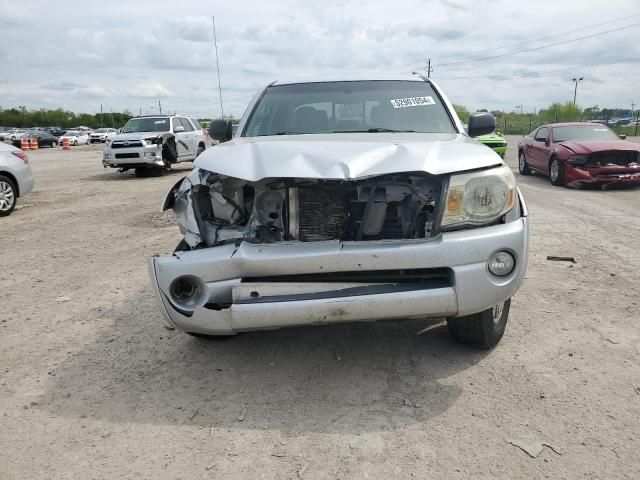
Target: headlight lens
pixel 578 160
pixel 479 198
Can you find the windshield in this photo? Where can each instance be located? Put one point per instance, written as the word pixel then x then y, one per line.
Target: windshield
pixel 102 130
pixel 71 133
pixel 338 107
pixel 147 124
pixel 583 132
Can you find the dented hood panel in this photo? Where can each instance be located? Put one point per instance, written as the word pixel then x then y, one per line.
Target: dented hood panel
pixel 345 156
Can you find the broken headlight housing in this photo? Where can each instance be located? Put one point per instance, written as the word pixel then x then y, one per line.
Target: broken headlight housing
pixel 157 140
pixel 578 160
pixel 478 198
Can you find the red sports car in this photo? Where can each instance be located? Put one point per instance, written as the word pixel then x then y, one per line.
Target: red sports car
pixel 580 154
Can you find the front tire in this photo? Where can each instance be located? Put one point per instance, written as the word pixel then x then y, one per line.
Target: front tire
pixel 482 330
pixel 54 144
pixel 75 143
pixel 8 196
pixel 523 166
pixel 556 172
pixel 200 150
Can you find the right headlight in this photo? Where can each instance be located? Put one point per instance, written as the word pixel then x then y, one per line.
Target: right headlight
pixel 478 198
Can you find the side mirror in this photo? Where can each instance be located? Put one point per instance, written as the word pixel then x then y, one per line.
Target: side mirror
pixel 481 123
pixel 622 136
pixel 178 129
pixel 221 130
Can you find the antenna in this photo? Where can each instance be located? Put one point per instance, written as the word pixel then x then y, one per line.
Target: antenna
pixel 215 42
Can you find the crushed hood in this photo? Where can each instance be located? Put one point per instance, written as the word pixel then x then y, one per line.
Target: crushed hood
pixel 345 156
pixel 586 147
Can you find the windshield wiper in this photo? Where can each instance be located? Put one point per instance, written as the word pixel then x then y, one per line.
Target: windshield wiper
pixel 287 133
pixel 375 130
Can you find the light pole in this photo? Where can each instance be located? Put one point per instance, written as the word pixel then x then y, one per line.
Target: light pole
pixel 575 90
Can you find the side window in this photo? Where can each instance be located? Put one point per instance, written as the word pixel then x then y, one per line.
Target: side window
pixel 196 123
pixel 176 123
pixel 542 135
pixel 186 124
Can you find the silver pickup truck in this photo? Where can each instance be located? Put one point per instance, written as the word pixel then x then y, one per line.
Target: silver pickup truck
pixel 346 201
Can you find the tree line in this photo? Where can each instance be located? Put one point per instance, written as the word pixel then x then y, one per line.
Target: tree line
pixel 21 117
pixel 522 123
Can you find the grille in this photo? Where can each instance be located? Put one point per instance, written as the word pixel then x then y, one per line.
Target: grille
pixel 494 144
pixel 127 155
pixel 126 144
pixel 614 156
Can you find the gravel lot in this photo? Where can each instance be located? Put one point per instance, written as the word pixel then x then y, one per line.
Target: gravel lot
pixel 93 385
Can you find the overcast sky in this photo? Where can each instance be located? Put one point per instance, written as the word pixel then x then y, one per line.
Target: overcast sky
pixel 127 55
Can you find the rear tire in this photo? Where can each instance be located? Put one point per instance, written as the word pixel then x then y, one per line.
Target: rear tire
pixel 556 172
pixel 484 329
pixel 200 150
pixel 8 196
pixel 523 166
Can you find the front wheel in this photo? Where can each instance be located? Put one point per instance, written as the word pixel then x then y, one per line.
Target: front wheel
pixel 7 196
pixel 523 166
pixel 556 172
pixel 483 329
pixel 200 150
pixel 75 143
pixel 54 144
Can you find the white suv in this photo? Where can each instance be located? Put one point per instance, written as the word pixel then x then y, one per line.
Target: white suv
pixel 153 143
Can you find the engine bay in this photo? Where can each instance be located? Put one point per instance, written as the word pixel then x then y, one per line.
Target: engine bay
pixel 218 209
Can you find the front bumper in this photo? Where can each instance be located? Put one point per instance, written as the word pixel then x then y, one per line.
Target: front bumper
pixel 601 177
pixel 149 155
pixel 220 272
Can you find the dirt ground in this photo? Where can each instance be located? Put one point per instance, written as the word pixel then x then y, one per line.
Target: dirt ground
pixel 93 385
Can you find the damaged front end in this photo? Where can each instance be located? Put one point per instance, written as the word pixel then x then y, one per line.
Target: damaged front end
pixel 154 150
pixel 213 209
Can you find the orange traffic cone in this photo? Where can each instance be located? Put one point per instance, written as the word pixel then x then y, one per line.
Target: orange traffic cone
pixel 33 143
pixel 65 144
pixel 24 143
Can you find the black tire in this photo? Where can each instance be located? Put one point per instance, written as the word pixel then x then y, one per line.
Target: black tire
pixel 200 150
pixel 556 176
pixel 75 143
pixel 54 144
pixel 211 337
pixel 482 330
pixel 523 166
pixel 8 188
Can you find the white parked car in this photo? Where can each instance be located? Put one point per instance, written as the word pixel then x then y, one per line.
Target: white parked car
pixel 102 135
pixel 15 177
pixel 154 143
pixel 342 202
pixel 75 137
pixel 15 134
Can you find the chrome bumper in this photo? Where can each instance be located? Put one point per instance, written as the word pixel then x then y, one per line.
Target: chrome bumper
pixel 220 270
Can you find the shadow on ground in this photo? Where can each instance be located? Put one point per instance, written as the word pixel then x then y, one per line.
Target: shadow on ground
pixel 338 378
pixel 111 174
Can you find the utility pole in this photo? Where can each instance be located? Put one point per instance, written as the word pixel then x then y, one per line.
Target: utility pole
pixel 575 90
pixel 215 43
pixel 101 123
pixel 159 107
pixel 428 67
pixel 140 112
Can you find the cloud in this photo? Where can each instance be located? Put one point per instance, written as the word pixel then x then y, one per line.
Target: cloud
pixel 136 50
pixel 149 90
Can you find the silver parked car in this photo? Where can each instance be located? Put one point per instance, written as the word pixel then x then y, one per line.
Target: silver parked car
pixel 15 177
pixel 346 201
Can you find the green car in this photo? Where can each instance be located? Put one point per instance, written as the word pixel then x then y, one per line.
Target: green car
pixel 495 142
